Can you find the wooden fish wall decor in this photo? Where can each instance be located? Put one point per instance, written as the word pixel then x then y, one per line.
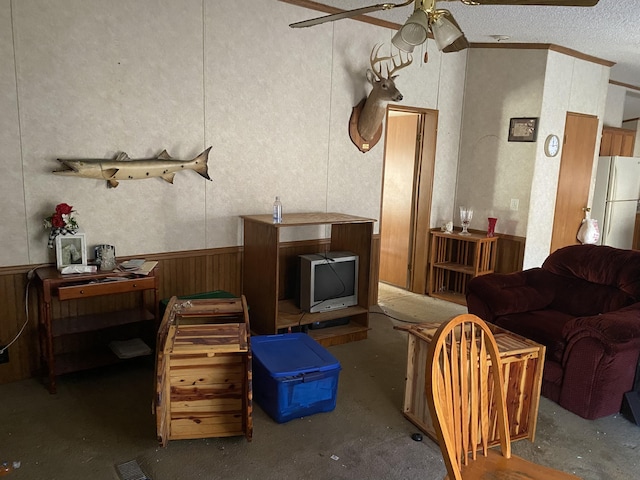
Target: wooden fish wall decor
pixel 124 168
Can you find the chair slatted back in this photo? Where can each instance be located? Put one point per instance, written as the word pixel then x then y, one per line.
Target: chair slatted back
pixel 463 390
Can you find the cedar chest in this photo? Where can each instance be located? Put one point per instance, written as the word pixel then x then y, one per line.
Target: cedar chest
pixel 203 370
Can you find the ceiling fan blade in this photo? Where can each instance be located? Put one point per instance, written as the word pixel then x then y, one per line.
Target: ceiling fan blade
pixel 347 14
pixel 548 3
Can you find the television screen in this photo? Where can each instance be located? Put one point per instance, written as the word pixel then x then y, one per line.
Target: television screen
pixel 328 281
pixel 334 279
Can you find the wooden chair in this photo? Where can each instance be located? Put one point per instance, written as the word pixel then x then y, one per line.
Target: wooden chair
pixel 466 398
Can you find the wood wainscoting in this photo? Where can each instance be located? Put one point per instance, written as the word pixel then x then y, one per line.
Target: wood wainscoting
pixel 181 273
pixel 510 253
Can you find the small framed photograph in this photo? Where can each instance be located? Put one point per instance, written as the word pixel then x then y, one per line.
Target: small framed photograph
pixel 523 129
pixel 71 250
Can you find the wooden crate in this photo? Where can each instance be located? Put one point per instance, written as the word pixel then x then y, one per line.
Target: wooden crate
pixel 203 370
pixel 522 361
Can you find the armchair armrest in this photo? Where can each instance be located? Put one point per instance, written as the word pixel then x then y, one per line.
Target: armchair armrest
pixel 495 294
pixel 617 330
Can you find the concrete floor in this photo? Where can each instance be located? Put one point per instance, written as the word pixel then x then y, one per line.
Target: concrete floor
pixel 102 418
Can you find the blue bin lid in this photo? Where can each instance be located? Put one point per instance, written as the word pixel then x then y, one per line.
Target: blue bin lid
pixel 291 354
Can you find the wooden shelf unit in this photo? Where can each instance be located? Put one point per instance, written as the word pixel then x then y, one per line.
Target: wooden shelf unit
pixel 269 311
pixel 79 314
pixel 455 259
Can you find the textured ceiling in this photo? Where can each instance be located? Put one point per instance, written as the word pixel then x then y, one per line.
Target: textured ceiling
pixel 610 30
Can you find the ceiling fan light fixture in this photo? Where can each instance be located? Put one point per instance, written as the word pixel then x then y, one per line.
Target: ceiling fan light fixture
pixel 444 32
pixel 400 44
pixel 415 29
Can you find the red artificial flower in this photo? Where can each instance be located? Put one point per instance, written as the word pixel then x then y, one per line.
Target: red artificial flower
pixel 62 209
pixel 57 221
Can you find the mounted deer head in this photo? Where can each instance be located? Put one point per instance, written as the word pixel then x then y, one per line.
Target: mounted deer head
pixel 384 90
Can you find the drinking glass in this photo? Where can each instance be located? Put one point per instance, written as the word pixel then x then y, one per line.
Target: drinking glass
pixel 466 214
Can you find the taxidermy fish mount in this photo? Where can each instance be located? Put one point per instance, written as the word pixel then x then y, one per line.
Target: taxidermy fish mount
pixel 124 168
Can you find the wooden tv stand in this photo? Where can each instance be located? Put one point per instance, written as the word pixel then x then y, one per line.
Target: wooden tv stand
pixel 264 281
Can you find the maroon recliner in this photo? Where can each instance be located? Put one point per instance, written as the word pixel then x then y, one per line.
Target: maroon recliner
pixel 583 304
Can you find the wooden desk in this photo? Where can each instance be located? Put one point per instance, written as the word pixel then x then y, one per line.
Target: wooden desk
pixel 522 363
pixel 81 313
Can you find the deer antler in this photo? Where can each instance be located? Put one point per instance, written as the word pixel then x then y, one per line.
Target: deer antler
pixel 399 66
pixel 374 59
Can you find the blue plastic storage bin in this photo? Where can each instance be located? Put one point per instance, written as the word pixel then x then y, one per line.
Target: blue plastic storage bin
pixel 293 376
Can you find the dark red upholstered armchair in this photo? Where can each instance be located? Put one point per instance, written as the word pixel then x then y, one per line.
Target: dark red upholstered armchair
pixel 583 304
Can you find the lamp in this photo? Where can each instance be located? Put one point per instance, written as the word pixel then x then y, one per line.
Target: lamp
pixel 400 44
pixel 447 34
pixel 444 32
pixel 413 32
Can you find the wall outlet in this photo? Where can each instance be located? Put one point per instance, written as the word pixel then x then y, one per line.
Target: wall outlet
pixel 4 354
pixel 515 203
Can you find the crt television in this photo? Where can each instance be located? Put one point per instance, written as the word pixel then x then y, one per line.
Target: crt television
pixel 328 281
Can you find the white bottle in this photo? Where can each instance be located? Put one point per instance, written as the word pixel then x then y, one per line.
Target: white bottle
pixel 277 211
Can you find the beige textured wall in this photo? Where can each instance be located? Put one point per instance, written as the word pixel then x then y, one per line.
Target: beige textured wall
pixel 571 85
pixel 13 230
pixel 85 78
pixel 505 83
pixel 614 110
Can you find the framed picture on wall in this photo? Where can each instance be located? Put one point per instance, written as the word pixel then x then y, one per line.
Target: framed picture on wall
pixel 71 250
pixel 523 129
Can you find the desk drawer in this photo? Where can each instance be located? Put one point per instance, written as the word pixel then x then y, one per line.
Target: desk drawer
pixel 105 288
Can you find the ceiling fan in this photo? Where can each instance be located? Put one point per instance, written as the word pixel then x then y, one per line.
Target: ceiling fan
pixel 427 18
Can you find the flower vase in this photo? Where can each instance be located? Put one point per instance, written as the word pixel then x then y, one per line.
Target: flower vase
pixel 491 229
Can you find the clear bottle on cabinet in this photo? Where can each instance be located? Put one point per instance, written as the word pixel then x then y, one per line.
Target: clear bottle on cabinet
pixel 277 211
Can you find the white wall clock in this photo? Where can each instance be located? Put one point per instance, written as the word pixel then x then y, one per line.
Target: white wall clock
pixel 551 145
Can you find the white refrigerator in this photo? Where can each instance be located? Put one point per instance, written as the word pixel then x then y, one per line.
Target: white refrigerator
pixel 615 199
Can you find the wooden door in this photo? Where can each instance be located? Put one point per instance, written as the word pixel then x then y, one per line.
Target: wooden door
pixel 396 219
pixel 406 197
pixel 574 181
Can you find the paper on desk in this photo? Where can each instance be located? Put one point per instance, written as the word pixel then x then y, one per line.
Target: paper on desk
pixel 145 269
pixel 138 267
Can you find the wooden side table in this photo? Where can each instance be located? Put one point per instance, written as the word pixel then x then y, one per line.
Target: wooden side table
pixel 522 363
pixel 79 314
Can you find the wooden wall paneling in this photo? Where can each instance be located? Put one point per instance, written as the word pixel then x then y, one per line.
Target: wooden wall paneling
pixel 181 273
pixel 510 254
pixel 24 353
pixel 224 272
